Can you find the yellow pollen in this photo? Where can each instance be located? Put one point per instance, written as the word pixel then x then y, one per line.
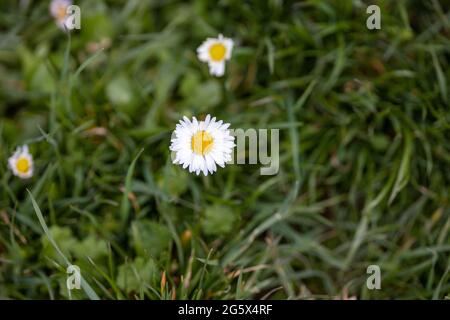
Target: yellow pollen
pixel 23 165
pixel 202 142
pixel 61 12
pixel 217 52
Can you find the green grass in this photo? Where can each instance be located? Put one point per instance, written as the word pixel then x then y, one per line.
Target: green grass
pixel 364 151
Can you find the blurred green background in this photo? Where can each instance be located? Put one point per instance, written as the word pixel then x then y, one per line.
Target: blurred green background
pixel 364 151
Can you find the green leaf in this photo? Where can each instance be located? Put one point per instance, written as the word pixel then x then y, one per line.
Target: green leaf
pixel 150 238
pixel 134 276
pixel 65 239
pixel 121 94
pixel 86 287
pixel 218 220
pixel 201 96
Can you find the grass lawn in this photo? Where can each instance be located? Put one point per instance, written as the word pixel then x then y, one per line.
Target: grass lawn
pixel 364 148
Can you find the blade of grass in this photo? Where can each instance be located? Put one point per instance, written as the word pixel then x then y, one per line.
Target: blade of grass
pixel 403 172
pixel 270 55
pixel 86 287
pixel 440 76
pixel 125 204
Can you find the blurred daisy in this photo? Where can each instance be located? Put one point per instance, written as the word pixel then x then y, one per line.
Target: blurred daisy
pixel 201 145
pixel 215 51
pixel 21 163
pixel 58 9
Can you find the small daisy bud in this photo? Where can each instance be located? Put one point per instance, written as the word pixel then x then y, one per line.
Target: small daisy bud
pixel 215 51
pixel 21 163
pixel 58 9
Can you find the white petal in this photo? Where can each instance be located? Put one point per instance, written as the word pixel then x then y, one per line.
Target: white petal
pixel 217 68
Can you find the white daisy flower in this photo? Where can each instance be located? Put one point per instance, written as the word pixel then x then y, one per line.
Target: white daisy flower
pixel 21 163
pixel 58 9
pixel 215 51
pixel 200 145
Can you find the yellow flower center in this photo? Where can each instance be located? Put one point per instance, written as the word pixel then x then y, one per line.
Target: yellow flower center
pixel 61 12
pixel 23 165
pixel 202 142
pixel 217 51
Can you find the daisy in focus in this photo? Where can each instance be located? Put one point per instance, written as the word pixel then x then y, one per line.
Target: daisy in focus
pixel 21 163
pixel 58 9
pixel 202 145
pixel 215 51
